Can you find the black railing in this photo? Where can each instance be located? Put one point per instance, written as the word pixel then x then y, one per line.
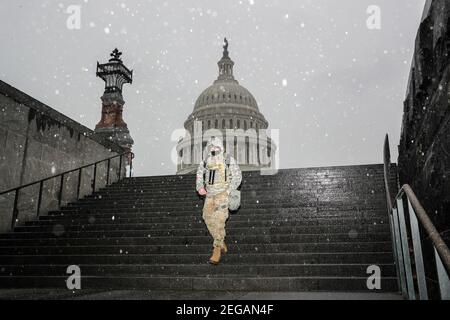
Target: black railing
pixel 15 210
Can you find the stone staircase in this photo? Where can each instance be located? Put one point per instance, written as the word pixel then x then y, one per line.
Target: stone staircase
pixel 314 229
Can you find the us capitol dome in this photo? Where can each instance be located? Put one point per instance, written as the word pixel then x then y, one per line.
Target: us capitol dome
pixel 228 110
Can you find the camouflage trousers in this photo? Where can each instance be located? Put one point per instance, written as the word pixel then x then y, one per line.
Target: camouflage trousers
pixel 215 215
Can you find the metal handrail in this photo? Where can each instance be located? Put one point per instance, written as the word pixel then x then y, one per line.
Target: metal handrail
pixel 401 239
pixel 15 212
pixel 387 170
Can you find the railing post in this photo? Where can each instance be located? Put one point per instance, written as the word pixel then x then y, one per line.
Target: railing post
pixel 131 163
pixel 41 186
pixel 418 256
pixel 394 246
pixel 79 183
pixel 398 248
pixel 15 212
pixel 107 173
pixel 60 190
pixel 443 279
pixel 120 167
pixel 95 176
pixel 393 218
pixel 405 249
pixel 387 169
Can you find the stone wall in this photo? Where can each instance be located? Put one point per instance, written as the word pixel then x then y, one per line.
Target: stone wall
pixel 424 150
pixel 37 142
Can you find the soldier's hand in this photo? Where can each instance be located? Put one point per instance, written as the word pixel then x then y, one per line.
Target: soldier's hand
pixel 202 191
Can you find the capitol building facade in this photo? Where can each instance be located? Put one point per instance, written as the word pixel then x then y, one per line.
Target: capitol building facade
pixel 229 111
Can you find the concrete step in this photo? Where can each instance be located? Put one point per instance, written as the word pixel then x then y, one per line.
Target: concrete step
pixel 83 239
pixel 199 283
pixel 196 225
pixel 280 176
pixel 275 180
pixel 169 220
pixel 200 249
pixel 322 205
pixel 147 270
pixel 234 258
pixel 247 196
pixel 123 232
pixel 196 211
pixel 245 200
pixel 270 188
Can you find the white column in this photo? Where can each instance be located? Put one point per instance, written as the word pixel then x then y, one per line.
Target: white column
pixel 198 156
pixel 241 151
pixel 263 154
pixel 229 141
pixel 253 152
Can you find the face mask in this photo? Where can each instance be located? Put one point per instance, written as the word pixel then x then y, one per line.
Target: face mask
pixel 215 151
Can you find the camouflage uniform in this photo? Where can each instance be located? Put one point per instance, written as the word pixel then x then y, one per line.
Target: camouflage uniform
pixel 220 179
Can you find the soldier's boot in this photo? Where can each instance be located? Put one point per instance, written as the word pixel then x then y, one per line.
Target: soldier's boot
pixel 215 258
pixel 224 248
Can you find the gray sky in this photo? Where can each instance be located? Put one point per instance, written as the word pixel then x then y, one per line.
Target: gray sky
pixel 344 84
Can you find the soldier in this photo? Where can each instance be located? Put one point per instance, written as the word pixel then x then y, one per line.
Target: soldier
pixel 222 174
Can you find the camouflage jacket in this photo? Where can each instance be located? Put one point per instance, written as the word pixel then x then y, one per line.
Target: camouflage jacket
pixel 218 174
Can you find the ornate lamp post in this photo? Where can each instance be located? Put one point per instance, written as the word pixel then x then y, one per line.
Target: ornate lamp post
pixel 111 125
